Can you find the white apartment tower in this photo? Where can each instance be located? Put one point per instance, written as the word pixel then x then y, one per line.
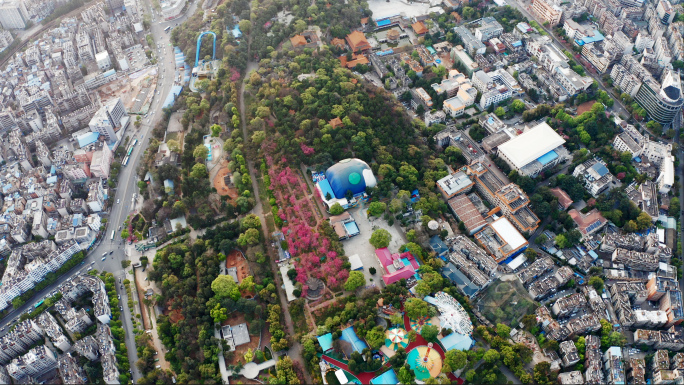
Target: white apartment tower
pixel 13 14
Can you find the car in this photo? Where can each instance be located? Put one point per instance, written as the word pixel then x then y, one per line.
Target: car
pixel 104 254
pixel 103 258
pixel 119 296
pixel 119 228
pixel 145 278
pixel 92 263
pixel 110 253
pixel 117 201
pixel 119 280
pixel 121 308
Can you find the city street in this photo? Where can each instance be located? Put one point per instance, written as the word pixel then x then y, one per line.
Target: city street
pixel 127 186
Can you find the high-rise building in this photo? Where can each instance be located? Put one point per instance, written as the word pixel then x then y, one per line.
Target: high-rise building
pixel 13 14
pixel 662 102
pixel 666 12
pixel 115 6
pixel 108 118
pixel 34 363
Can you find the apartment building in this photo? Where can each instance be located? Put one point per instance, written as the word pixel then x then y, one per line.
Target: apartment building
pixel 489 28
pixel 666 13
pixel 21 275
pixel 636 370
pixel 595 175
pixel 535 270
pixel 569 353
pixel 570 304
pixel 599 57
pixel 36 362
pixel 49 324
pixel 105 344
pixel 87 347
pixel 547 11
pixel 13 14
pixel 70 371
pixel 625 80
pixel 515 205
pixel 472 44
pixel 614 366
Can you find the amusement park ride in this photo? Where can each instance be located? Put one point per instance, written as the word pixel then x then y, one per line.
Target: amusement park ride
pixel 204 69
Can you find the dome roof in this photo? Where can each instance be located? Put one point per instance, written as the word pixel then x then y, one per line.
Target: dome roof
pixel 350 174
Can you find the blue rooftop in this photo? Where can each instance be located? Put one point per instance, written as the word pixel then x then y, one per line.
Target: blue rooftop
pixel 350 336
pixel 590 39
pixel 87 139
pixel 457 341
pixel 387 378
pixel 324 185
pixel 171 97
pixel 325 341
pixel 600 169
pixel 438 245
pixel 548 157
pixel 382 23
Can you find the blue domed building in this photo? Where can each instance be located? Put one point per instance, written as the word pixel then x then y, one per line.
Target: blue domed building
pixel 352 175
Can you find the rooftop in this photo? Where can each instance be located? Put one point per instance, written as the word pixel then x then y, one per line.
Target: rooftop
pixel 520 150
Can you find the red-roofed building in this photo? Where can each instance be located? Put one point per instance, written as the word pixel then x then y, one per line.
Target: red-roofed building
pixel 356 60
pixel 336 122
pixel 339 43
pixel 466 212
pixel 298 41
pixel 588 223
pixel 357 42
pixel 564 201
pixel 419 28
pixel 396 266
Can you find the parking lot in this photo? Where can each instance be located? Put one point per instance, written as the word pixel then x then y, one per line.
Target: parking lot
pixel 360 245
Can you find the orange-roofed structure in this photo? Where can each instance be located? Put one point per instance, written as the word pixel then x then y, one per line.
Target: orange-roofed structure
pixel 298 41
pixel 357 42
pixel 588 223
pixel 419 28
pixel 356 60
pixel 564 200
pixel 335 123
pixel 339 43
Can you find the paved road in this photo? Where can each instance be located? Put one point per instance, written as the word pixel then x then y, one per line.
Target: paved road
pixel 114 249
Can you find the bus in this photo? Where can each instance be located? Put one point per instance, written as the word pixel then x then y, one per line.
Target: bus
pixel 125 161
pixel 38 304
pixel 167 29
pixel 135 141
pixel 130 151
pixel 112 237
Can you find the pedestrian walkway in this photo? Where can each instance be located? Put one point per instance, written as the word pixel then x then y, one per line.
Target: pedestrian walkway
pixel 251 369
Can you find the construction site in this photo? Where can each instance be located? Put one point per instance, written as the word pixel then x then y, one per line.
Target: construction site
pixel 135 90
